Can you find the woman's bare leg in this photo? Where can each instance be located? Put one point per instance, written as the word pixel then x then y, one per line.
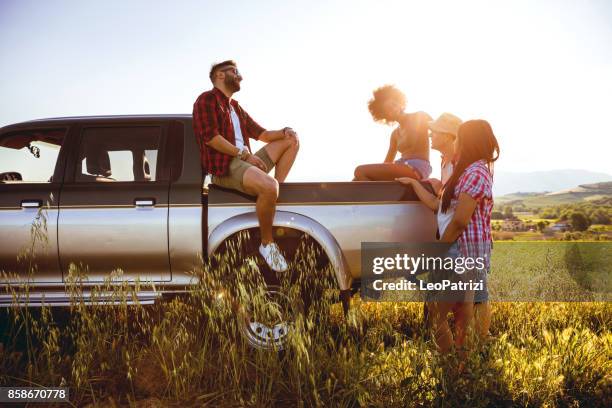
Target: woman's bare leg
pixel 463 322
pixel 482 317
pixel 438 318
pixel 384 172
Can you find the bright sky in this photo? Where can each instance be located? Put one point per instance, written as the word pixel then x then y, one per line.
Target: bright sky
pixel 540 72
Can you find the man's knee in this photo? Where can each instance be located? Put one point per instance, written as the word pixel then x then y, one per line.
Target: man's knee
pixel 269 187
pixel 289 144
pixel 359 172
pixel 256 183
pixel 294 144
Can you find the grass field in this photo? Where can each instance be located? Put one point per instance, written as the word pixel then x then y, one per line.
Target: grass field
pixel 188 351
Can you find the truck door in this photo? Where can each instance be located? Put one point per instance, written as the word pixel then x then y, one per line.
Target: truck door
pixel 31 171
pixel 114 209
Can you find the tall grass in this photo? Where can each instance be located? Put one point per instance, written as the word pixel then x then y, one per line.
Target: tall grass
pixel 189 351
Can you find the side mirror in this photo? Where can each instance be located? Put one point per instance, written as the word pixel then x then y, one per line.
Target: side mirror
pixel 11 176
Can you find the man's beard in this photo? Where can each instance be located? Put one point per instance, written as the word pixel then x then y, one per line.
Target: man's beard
pixel 232 84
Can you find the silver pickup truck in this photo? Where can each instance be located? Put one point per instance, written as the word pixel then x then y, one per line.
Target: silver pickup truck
pixel 127 192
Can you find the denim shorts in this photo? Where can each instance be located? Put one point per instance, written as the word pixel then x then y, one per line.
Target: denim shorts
pixel 420 165
pixel 482 295
pixel 439 276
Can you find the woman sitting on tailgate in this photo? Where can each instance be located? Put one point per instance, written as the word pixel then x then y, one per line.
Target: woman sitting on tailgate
pixel 409 138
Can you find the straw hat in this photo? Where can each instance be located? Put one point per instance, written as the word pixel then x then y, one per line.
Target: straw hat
pixel 446 123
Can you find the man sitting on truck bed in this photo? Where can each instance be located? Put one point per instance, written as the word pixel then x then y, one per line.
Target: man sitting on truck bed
pixel 223 130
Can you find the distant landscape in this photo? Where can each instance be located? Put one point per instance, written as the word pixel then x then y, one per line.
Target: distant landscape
pixel 580 193
pixel 544 181
pixel 582 213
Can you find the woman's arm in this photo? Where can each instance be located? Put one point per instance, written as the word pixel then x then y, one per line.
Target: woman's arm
pixel 392 148
pixel 430 200
pixel 463 214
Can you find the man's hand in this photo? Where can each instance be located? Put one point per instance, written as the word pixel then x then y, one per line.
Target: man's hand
pixel 257 162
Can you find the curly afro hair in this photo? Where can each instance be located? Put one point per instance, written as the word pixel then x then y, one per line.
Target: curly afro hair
pixel 376 105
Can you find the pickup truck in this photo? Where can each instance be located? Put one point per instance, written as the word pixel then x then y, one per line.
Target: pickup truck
pixel 127 192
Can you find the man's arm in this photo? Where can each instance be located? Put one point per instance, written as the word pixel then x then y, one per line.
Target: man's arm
pixel 206 125
pixel 220 144
pixel 268 136
pixel 255 131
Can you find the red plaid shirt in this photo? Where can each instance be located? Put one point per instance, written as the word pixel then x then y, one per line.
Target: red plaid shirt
pixel 477 182
pixel 211 117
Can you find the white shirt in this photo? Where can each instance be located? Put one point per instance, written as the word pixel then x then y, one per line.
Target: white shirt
pixel 445 218
pixel 237 130
pixel 447 172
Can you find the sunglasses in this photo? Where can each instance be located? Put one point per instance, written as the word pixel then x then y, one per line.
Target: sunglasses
pixel 233 69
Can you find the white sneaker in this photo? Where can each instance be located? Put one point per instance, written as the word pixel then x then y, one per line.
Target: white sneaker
pixel 274 258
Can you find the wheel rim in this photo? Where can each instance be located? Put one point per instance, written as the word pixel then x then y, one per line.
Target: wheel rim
pixel 269 327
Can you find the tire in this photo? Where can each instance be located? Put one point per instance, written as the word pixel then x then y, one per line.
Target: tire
pixel 267 314
pixel 270 328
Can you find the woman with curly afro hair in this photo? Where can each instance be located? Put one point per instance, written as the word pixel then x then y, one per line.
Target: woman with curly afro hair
pixel 409 138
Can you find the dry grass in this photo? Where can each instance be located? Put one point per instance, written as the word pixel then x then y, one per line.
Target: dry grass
pixel 188 351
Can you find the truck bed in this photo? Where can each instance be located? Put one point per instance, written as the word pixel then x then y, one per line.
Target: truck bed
pixel 353 212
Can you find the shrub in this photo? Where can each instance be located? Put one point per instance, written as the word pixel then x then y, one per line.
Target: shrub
pixel 579 221
pixel 600 216
pixel 497 215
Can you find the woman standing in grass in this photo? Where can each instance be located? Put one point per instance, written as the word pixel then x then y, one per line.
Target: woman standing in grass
pixel 464 221
pixel 469 195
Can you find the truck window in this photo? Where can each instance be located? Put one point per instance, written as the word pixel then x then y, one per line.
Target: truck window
pixel 30 156
pixel 119 154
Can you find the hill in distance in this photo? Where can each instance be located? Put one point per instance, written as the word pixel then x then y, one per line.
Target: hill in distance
pixel 544 181
pixel 581 193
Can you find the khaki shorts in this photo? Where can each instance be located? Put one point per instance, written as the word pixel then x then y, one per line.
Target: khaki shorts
pixel 236 171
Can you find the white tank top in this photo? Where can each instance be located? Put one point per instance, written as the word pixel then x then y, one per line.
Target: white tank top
pixel 446 172
pixel 445 218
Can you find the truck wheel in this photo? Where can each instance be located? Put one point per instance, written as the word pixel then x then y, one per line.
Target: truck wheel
pixel 268 313
pixel 266 319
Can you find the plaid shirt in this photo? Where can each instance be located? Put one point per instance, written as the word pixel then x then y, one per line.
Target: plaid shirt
pixel 477 182
pixel 211 117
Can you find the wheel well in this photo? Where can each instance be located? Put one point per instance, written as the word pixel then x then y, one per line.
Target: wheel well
pixel 290 241
pixel 293 243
